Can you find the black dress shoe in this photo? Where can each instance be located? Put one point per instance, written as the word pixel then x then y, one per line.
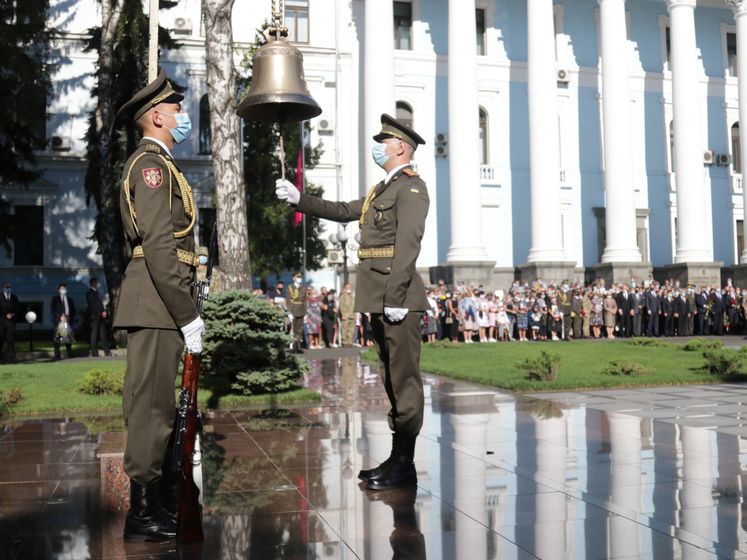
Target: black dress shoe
pixel 147 519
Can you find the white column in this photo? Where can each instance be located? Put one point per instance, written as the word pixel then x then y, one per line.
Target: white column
pixel 740 11
pixel 464 127
pixel 625 484
pixel 544 147
pixel 688 145
pixel 550 433
pixel 618 162
pixel 378 77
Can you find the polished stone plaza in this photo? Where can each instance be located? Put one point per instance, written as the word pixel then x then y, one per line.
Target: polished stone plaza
pixel 644 473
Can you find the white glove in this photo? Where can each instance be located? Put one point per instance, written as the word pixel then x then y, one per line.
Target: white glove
pixel 395 314
pixel 193 335
pixel 287 191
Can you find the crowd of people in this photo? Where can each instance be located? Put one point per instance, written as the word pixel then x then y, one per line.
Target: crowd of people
pixel 537 311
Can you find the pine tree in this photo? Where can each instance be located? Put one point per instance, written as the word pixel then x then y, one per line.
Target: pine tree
pixel 122 45
pixel 24 87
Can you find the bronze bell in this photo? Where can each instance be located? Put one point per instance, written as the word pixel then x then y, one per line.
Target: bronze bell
pixel 278 91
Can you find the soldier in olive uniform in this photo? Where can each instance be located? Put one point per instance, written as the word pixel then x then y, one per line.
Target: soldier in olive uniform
pixel 347 314
pixel 156 303
pixel 295 301
pixel 392 221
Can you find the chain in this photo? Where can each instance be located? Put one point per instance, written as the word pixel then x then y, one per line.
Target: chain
pixel 278 19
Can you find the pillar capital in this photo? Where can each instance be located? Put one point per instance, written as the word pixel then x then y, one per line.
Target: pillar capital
pixel 739 7
pixel 671 4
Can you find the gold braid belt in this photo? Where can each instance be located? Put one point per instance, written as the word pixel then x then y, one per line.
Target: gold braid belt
pixel 376 252
pixel 186 257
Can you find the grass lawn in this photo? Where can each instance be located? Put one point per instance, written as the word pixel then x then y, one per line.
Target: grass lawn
pixel 582 364
pixel 52 388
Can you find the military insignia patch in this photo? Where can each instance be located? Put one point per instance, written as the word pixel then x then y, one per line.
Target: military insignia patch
pixel 153 177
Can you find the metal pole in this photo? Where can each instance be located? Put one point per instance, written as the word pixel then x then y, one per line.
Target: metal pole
pixel 303 186
pixel 153 41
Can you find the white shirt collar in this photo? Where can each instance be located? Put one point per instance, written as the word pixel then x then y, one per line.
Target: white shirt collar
pixel 157 141
pixel 393 171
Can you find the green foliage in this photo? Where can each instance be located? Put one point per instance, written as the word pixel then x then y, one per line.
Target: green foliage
pixel 651 342
pixel 542 368
pixel 245 349
pixel 9 400
pixel 24 86
pixel 274 243
pixel 626 367
pixel 541 408
pixel 102 382
pixel 701 344
pixel 445 343
pixel 723 363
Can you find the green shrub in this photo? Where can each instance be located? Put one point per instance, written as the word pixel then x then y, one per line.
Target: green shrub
pixel 647 342
pixel 702 344
pixel 246 349
pixel 542 368
pixel 626 367
pixel 724 363
pixel 9 400
pixel 102 382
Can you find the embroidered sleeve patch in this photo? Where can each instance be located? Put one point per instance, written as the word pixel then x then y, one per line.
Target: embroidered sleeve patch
pixel 153 177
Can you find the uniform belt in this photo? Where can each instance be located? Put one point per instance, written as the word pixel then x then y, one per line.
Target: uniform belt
pixel 187 257
pixel 376 252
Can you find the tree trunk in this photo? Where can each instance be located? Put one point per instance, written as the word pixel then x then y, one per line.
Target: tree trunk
pixel 233 240
pixel 109 230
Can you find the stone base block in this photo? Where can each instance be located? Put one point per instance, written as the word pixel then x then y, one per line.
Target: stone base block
pixel 503 278
pixel 550 272
pixel 622 272
pixel 698 273
pixel 477 273
pixel 737 273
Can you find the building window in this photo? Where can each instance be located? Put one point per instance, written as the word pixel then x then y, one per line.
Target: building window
pixel 28 236
pixel 736 149
pixel 480 21
pixel 205 134
pixel 668 46
pixel 731 53
pixel 403 26
pixel 671 147
pixel 297 20
pixel 740 239
pixel 404 113
pixel 483 137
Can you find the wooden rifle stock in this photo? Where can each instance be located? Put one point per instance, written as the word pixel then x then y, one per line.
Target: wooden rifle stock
pixel 189 518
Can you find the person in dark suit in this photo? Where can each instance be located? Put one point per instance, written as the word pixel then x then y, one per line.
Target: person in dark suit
pixel 730 306
pixel 8 308
pixel 681 313
pixel 97 315
pixel 651 300
pixel 717 313
pixel 667 310
pixel 623 312
pixel 63 308
pixel 701 302
pixel 636 310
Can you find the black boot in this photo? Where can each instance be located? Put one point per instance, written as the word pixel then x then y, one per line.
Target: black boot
pixel 366 474
pixel 400 471
pixel 147 519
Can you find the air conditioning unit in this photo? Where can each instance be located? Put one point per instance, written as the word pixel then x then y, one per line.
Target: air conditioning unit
pixel 60 144
pixel 723 160
pixel 335 257
pixel 182 26
pixel 563 76
pixel 442 151
pixel 441 138
pixel 325 126
pixel 708 157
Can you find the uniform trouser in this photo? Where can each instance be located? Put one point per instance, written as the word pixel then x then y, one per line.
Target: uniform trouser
pixel 98 334
pixel 7 336
pixel 398 345
pixel 298 330
pixel 691 325
pixel 148 400
pixel 577 327
pixel 348 331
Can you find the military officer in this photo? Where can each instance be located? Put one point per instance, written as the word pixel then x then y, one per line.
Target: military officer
pixel 392 221
pixel 295 300
pixel 156 303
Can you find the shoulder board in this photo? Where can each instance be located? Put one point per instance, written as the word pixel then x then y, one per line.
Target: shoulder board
pixel 410 172
pixel 153 148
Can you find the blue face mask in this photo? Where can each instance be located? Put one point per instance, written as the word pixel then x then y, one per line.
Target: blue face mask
pixel 378 151
pixel 183 127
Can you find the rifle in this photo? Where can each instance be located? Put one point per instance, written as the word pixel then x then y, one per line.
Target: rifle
pixel 187 424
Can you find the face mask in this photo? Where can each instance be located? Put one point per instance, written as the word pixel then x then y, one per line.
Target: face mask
pixel 378 151
pixel 203 259
pixel 348 291
pixel 297 282
pixel 63 292
pixel 183 127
